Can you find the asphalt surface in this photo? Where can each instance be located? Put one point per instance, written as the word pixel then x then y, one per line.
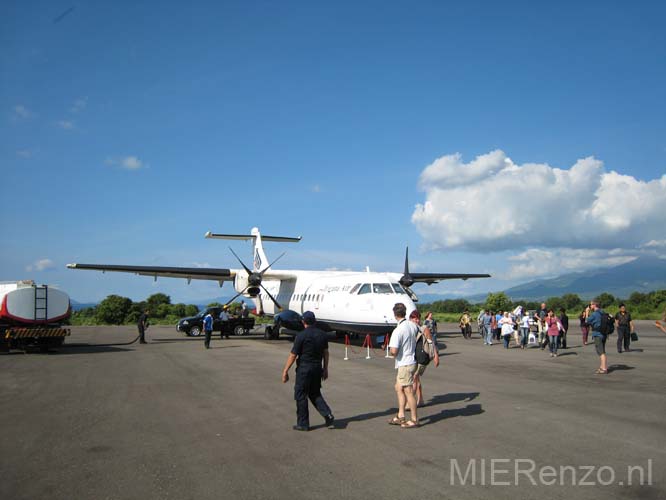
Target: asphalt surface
pixel 173 420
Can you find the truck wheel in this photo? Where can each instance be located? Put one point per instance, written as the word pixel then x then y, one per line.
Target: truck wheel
pixel 238 330
pixel 195 331
pixel 276 333
pixel 246 331
pixel 268 333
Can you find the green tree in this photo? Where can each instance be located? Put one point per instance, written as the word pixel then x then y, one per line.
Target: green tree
pixel 555 303
pixel 605 299
pixel 155 300
pixel 113 310
pixel 178 310
pixel 572 302
pixel 191 310
pixel 498 302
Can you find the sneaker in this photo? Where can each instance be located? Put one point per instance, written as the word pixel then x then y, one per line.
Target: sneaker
pixel 300 428
pixel 330 421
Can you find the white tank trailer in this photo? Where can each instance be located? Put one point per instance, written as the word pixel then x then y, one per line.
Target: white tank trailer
pixel 32 315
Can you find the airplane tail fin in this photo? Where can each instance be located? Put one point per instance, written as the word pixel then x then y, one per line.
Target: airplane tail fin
pixel 260 262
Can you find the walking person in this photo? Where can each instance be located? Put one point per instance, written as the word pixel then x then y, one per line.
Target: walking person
pixel 594 320
pixel 310 352
pixel 552 332
pixel 208 329
pixel 431 323
pixel 564 322
pixel 488 327
pixel 479 324
pixel 142 326
pixel 524 329
pixel 625 327
pixel 224 323
pixel 506 327
pixel 402 347
pixel 498 326
pixel 540 319
pixel 584 327
pixel 465 324
pixel 493 326
pixel 415 317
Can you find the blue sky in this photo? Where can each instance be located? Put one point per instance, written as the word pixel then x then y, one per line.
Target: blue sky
pixel 128 129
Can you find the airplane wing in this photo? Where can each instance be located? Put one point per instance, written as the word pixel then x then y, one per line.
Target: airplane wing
pixel 188 273
pixel 431 278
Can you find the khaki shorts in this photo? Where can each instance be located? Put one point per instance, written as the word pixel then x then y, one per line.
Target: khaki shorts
pixel 421 369
pixel 406 375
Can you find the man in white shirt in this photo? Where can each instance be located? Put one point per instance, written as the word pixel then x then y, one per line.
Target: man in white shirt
pixel 402 346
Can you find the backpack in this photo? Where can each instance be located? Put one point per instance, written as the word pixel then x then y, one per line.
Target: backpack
pixel 607 324
pixel 424 349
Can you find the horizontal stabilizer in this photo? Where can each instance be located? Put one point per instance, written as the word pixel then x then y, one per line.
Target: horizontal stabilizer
pixel 435 277
pixel 245 237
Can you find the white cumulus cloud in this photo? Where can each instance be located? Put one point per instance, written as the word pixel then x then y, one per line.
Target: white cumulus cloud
pixel 40 265
pixel 128 162
pixel 536 262
pixel 493 204
pixel 22 112
pixel 65 124
pixel 79 105
pixel 131 163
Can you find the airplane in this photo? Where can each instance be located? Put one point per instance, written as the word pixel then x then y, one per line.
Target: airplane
pixel 343 301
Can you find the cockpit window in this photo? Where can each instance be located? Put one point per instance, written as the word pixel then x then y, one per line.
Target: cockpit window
pixel 365 288
pixel 398 288
pixel 355 288
pixel 382 288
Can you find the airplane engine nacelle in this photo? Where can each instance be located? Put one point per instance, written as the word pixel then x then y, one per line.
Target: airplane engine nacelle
pixel 240 281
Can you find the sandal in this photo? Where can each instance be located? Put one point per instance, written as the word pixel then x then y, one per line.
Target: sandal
pixel 601 372
pixel 397 420
pixel 409 424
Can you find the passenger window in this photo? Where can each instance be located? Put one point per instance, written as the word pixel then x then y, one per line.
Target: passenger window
pixel 398 288
pixel 365 289
pixel 355 288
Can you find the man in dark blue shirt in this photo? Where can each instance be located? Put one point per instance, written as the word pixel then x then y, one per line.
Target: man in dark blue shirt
pixel 208 329
pixel 594 320
pixel 309 351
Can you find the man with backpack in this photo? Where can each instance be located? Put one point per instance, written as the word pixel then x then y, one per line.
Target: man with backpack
pixel 602 326
pixel 425 351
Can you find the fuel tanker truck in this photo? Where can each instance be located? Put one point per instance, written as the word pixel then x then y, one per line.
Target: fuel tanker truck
pixel 32 315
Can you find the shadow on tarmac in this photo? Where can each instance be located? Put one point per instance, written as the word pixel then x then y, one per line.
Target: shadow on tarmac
pixel 86 349
pixel 613 368
pixel 560 354
pixel 467 411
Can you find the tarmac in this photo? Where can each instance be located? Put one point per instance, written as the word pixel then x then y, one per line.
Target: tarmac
pixel 171 420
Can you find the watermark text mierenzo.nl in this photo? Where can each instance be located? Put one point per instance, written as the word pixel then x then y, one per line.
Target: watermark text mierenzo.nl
pixel 525 471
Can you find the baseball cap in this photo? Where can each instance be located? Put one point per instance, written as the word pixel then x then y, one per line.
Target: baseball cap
pixel 308 317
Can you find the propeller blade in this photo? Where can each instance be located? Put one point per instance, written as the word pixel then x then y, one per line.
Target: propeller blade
pixel 235 297
pixel 272 298
pixel 247 270
pixel 271 264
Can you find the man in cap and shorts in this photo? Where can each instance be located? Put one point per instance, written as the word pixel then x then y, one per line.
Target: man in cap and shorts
pixel 403 347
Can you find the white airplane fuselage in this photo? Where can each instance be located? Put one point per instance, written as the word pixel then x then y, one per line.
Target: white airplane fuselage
pixel 358 302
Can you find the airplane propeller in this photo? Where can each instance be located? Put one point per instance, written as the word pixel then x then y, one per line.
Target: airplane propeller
pixel 254 280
